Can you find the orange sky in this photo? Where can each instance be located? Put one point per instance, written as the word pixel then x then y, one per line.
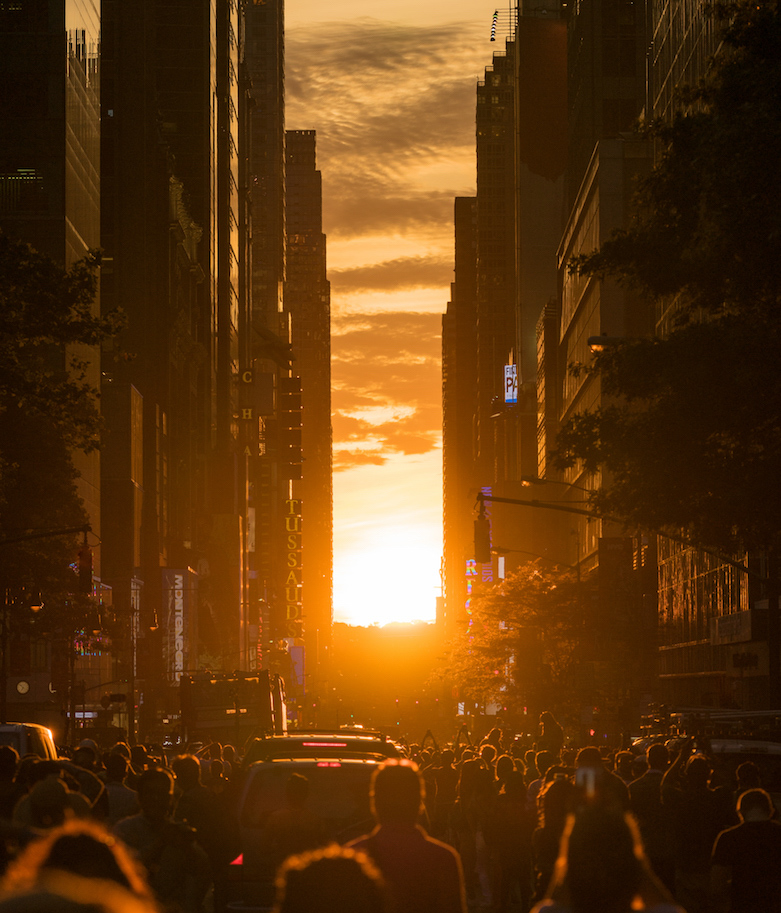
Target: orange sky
pixel 392 97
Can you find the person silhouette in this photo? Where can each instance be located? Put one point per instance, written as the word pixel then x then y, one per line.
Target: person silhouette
pixel 423 874
pixel 333 879
pixel 746 861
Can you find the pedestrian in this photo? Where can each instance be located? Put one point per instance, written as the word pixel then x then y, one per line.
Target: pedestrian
pixel 654 818
pixel 602 867
pixel 331 880
pixel 77 847
pixel 177 867
pixel 590 771
pixel 423 874
pixel 554 806
pixel 746 861
pixel 294 828
pixel 551 734
pixel 122 800
pixel 698 815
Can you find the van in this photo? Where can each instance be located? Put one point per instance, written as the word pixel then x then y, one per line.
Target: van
pixel 29 739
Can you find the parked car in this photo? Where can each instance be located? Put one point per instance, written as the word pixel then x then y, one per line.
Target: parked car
pixel 29 738
pixel 338 795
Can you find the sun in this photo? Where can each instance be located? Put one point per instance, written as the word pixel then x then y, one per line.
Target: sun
pixel 393 577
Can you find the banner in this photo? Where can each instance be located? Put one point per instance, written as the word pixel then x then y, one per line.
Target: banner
pixel 180 623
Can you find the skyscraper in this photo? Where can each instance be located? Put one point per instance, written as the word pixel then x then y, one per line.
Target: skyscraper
pixel 308 300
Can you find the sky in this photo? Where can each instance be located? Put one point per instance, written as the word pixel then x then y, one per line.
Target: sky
pixel 389 86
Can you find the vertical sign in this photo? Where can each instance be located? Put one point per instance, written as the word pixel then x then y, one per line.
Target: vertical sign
pixel 511 383
pixel 180 634
pixel 293 581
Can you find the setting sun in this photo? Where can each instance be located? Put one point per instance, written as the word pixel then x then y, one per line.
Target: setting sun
pixel 387 546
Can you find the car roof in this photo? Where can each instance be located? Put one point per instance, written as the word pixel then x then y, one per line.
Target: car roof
pixel 324 742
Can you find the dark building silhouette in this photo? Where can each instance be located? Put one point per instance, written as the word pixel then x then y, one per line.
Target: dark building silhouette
pixel 459 407
pixel 174 217
pixel 308 301
pixel 50 198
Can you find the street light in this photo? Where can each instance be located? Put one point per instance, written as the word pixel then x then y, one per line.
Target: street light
pixel 604 342
pixel 529 481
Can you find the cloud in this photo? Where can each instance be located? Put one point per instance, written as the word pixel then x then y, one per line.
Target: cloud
pixel 388 102
pixel 386 381
pixel 402 273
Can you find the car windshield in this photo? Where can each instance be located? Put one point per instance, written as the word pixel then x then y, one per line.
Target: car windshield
pixel 338 795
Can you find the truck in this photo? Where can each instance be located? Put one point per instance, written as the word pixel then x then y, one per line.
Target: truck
pixel 231 707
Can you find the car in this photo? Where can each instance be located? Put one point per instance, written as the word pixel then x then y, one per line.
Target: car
pixel 29 739
pixel 323 743
pixel 338 794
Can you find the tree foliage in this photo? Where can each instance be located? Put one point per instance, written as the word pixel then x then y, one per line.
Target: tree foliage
pixel 706 225
pixel 524 643
pixel 43 309
pixel 48 408
pixel 690 434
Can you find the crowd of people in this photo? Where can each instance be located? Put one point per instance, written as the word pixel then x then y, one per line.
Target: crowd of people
pixel 525 819
pixel 493 826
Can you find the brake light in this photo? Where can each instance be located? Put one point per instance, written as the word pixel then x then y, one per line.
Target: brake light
pixel 328 764
pixel 239 860
pixel 325 744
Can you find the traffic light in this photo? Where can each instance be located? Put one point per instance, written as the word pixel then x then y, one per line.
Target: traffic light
pixel 483 540
pixel 85 570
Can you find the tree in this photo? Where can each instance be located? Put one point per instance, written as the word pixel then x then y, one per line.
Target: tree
pixel 690 434
pixel 47 409
pixel 43 309
pixel 524 644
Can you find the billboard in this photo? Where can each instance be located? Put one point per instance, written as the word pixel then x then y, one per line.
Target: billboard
pixel 179 622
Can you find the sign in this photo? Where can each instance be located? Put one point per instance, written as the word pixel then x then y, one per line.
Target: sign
pixel 732 628
pixel 180 634
pixel 511 383
pixel 294 579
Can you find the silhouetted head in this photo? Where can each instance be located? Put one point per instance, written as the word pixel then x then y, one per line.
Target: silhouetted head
pixel 543 760
pixel 155 793
pixel 554 803
pixel 697 771
pixel 658 757
pixel 9 759
pixel 187 771
pixel 488 753
pixel 296 789
pixel 748 775
pixel 397 792
pixel 332 880
pixel 63 893
pixel 116 767
pixel 78 847
pixel 505 766
pixel 601 851
pixel 589 757
pixel 755 805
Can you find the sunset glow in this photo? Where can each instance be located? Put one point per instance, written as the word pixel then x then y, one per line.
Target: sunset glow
pixel 392 99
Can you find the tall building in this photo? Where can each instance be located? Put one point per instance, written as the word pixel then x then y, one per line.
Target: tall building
pixel 459 407
pixel 308 301
pixel 50 150
pixel 270 354
pixel 713 634
pixel 175 479
pixel 50 198
pixel 495 284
